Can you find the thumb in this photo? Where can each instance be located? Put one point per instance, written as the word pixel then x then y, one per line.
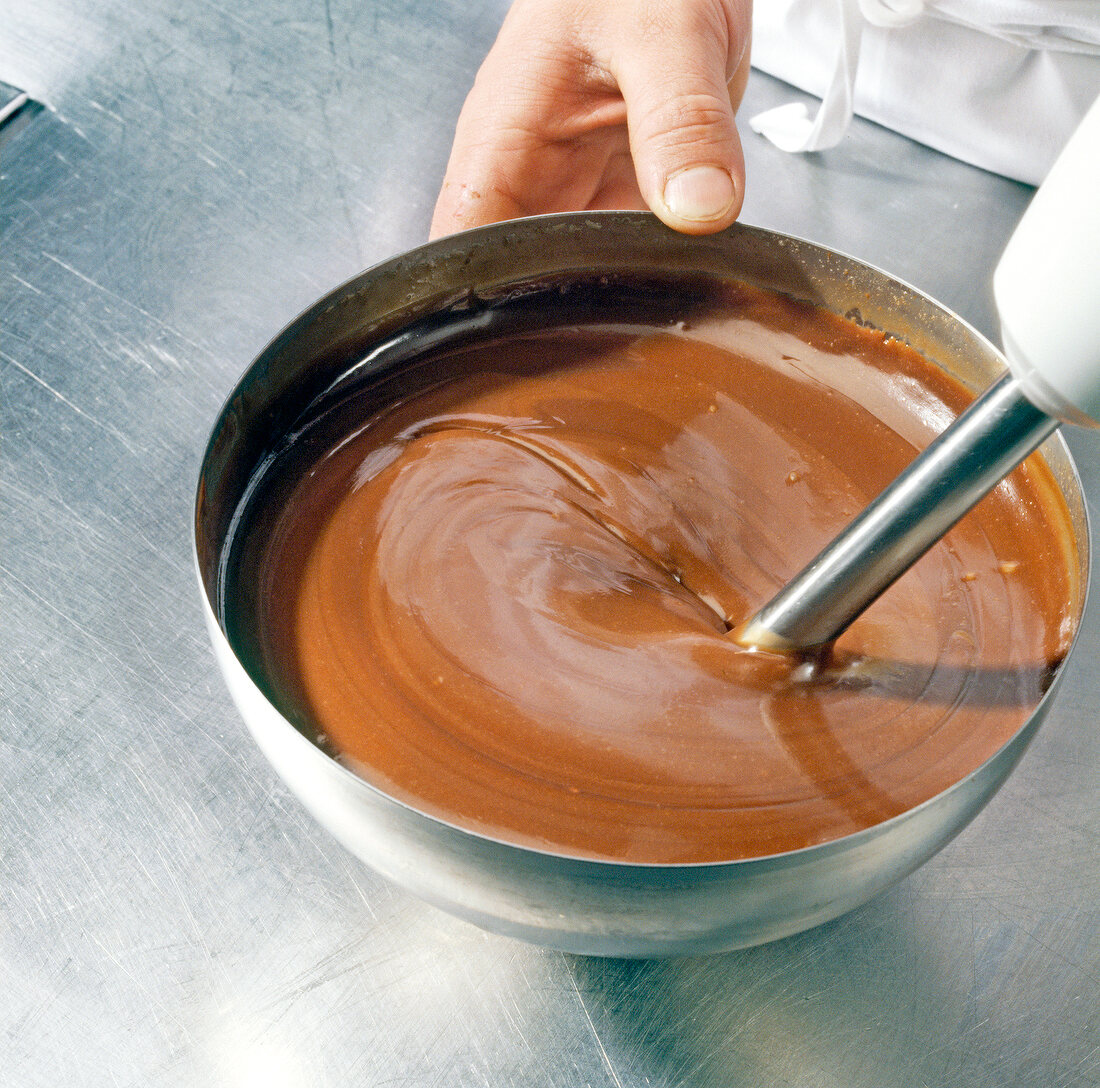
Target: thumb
pixel 683 138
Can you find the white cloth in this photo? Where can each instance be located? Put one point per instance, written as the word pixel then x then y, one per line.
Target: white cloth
pixel 998 83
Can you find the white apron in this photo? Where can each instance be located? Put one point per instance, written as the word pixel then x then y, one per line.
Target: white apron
pixel 997 83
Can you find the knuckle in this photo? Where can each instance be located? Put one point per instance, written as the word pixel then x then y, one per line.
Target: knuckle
pixel 686 120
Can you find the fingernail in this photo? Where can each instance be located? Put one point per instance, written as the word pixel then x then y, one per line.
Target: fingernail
pixel 699 193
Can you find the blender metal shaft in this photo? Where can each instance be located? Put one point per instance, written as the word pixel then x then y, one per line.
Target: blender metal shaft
pixel 964 463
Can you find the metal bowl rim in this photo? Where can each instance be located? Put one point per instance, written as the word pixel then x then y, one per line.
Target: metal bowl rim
pixel 761 862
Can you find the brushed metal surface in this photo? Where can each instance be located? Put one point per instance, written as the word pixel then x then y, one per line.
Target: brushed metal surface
pixel 169 915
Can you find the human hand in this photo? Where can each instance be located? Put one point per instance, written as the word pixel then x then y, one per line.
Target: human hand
pixel 604 104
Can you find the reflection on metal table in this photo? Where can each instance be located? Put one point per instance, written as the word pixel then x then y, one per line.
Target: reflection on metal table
pixel 170 915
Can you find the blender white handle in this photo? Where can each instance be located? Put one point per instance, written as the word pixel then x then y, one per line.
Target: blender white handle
pixel 1047 285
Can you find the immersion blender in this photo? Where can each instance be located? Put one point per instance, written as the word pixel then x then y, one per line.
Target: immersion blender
pixel 1047 290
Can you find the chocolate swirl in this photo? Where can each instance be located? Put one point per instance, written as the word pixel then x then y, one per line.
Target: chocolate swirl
pixel 504 597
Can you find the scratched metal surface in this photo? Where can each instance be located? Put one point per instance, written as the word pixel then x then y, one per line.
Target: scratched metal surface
pixel 170 916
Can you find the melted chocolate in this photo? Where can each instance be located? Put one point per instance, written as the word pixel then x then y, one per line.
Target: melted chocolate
pixel 499 582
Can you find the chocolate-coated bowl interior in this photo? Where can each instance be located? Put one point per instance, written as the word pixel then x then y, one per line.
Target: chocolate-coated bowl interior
pixel 458 287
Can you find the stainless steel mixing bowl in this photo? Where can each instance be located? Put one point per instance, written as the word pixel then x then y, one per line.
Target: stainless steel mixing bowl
pixel 586 906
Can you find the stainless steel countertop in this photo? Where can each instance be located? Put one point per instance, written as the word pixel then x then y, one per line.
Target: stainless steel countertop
pixel 168 913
